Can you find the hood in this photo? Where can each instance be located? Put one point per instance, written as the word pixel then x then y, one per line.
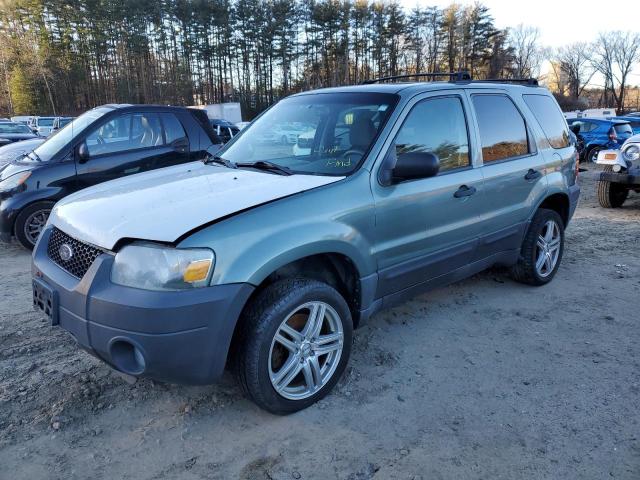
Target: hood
pixel 632 139
pixel 11 161
pixel 164 204
pixel 8 138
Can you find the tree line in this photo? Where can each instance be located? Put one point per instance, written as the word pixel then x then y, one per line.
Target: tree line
pixel 65 56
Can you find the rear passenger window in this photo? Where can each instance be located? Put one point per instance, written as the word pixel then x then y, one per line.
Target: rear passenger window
pixel 550 118
pixel 502 129
pixel 172 127
pixel 437 125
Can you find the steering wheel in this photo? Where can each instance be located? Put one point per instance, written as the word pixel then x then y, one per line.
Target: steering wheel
pixel 100 140
pixel 352 151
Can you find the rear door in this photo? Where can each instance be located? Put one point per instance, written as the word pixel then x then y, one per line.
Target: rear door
pixel 428 227
pixel 513 169
pixel 130 143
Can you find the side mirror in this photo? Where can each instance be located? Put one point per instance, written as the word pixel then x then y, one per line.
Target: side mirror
pixel 409 166
pixel 83 153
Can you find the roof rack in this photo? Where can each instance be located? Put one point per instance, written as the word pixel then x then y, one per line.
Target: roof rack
pixel 453 77
pixel 526 81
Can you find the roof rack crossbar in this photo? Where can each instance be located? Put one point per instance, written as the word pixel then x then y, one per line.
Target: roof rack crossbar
pixel 453 77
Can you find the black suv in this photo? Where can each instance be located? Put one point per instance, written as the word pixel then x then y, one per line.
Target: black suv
pixel 105 143
pixel 224 129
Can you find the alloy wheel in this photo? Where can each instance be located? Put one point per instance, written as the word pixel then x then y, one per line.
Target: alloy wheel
pixel 35 224
pixel 548 248
pixel 306 350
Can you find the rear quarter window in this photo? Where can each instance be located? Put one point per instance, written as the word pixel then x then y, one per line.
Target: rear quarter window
pixel 550 119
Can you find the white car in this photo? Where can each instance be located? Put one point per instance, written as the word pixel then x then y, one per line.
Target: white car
pixel 621 173
pixel 43 126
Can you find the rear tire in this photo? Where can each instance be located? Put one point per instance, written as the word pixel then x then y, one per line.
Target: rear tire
pixel 611 195
pixel 542 249
pixel 30 222
pixel 277 361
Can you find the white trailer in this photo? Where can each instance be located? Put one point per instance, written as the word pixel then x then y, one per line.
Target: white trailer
pixel 225 111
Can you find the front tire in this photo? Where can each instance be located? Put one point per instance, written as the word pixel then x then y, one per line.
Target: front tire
pixel 542 249
pixel 611 195
pixel 592 155
pixel 30 222
pixel 294 344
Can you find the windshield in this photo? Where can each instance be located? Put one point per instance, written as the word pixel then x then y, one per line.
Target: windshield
pixel 14 128
pixel 45 122
pixel 63 122
pixel 318 134
pixel 54 144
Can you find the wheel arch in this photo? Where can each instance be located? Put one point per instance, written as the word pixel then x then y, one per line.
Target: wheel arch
pixel 331 267
pixel 19 209
pixel 558 202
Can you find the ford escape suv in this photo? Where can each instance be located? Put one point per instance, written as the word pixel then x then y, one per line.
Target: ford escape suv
pixel 265 261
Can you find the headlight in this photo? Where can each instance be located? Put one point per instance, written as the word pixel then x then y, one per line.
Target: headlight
pixel 14 181
pixel 631 153
pixel 155 267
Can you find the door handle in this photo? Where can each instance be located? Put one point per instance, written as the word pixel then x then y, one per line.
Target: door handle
pixel 532 174
pixel 464 191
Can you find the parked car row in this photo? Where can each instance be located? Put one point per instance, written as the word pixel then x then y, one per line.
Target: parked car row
pixel 42 126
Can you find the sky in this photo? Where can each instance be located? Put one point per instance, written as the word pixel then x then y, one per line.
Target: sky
pixel 560 21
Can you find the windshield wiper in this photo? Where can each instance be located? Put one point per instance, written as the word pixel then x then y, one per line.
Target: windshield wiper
pixel 35 157
pixel 219 161
pixel 267 165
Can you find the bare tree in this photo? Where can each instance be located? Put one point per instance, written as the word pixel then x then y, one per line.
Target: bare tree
pixel 527 52
pixel 615 55
pixel 574 61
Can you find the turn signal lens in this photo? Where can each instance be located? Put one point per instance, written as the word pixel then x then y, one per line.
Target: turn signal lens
pixel 610 156
pixel 197 271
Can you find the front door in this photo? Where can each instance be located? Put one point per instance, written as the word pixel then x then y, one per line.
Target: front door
pixel 428 227
pixel 132 143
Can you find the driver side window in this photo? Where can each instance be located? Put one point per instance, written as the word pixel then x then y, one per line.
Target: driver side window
pixel 437 125
pixel 126 132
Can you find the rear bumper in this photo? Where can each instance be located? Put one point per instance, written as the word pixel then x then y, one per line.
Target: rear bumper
pixel 574 196
pixel 178 337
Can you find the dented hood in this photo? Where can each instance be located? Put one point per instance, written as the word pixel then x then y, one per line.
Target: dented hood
pixel 165 204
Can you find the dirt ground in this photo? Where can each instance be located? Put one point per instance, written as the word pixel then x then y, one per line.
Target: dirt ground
pixel 483 379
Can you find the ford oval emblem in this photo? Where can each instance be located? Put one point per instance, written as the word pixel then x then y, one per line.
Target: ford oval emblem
pixel 66 252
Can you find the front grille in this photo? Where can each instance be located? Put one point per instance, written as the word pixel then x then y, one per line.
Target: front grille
pixel 82 256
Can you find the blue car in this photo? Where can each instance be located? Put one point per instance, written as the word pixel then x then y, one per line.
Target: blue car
pixel 595 134
pixel 633 120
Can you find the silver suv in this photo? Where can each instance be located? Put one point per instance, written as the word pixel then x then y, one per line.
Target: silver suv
pixel 265 259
